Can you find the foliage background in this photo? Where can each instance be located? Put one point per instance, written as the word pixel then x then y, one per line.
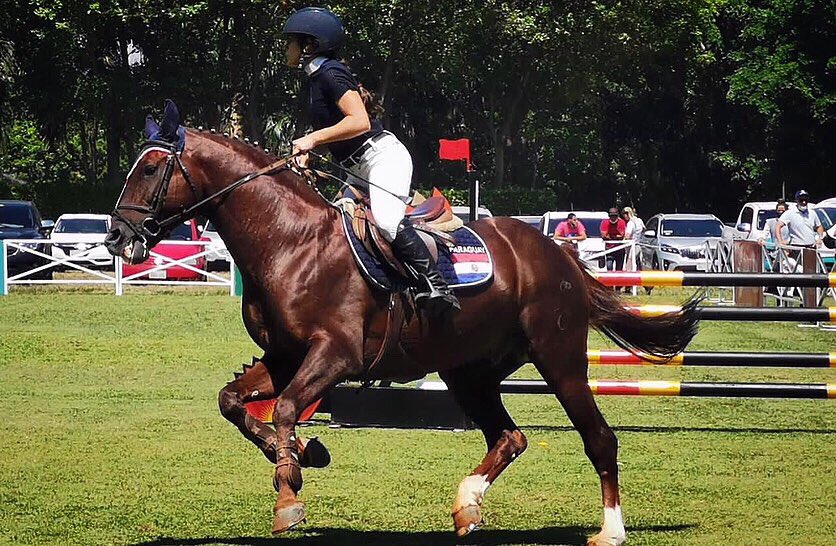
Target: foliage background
pixel 687 105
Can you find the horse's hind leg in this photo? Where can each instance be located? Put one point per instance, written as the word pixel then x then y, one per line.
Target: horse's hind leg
pixel 560 357
pixel 258 383
pixel 477 393
pixel 601 446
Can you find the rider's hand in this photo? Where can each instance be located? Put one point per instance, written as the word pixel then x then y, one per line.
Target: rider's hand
pixel 304 144
pixel 301 160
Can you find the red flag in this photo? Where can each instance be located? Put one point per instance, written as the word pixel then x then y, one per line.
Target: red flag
pixel 455 150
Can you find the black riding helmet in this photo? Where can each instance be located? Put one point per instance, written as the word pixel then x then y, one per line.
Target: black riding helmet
pixel 320 23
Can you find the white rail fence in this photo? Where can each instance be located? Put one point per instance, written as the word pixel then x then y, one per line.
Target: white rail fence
pixel 42 264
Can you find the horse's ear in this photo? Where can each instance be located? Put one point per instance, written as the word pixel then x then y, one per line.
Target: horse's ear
pixel 171 121
pixel 152 128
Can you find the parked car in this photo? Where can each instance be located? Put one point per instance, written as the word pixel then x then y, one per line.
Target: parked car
pixel 591 221
pixel 218 258
pixel 21 220
pixel 827 214
pixel 463 212
pixel 677 241
pixel 187 231
pixel 533 221
pixel 80 238
pixel 751 222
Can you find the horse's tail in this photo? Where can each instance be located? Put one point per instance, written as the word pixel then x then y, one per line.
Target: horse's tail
pixel 657 338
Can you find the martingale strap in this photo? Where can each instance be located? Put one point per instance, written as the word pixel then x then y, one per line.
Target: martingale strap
pixel 392 333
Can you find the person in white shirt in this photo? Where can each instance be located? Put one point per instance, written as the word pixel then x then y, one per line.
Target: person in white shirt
pixel 635 226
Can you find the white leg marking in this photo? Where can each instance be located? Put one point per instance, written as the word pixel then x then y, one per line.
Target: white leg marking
pixel 471 491
pixel 613 529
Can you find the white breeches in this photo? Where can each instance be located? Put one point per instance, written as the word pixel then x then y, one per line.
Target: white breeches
pixel 388 166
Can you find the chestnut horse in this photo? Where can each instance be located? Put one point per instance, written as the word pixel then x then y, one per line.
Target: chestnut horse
pixel 306 304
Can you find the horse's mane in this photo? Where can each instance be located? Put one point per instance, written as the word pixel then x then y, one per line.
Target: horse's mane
pixel 260 157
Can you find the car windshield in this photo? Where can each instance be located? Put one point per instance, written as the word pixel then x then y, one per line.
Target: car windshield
pixel 16 216
pixel 591 225
pixel 81 225
pixel 827 215
pixel 764 215
pixel 692 228
pixel 182 232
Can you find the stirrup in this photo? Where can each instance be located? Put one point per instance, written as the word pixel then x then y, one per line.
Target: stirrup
pixel 436 302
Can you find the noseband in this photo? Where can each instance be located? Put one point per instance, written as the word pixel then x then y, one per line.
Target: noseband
pixel 152 226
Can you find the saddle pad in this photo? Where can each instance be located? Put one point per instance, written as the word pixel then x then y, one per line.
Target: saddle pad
pixel 468 263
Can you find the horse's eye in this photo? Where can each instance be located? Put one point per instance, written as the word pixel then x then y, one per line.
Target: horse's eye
pixel 149 170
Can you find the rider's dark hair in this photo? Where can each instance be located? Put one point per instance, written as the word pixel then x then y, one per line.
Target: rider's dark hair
pixel 374 108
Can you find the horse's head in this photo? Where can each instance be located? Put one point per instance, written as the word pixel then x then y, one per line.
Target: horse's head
pixel 156 189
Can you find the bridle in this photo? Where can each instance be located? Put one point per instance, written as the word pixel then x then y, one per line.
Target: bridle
pixel 151 227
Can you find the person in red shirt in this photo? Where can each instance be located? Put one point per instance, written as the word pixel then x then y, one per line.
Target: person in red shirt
pixel 570 230
pixel 612 232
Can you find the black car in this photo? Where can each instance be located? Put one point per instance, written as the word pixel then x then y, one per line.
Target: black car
pixel 21 220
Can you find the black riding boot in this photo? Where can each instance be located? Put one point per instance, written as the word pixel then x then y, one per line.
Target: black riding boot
pixel 410 248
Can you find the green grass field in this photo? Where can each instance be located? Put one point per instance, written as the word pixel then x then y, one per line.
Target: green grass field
pixel 110 434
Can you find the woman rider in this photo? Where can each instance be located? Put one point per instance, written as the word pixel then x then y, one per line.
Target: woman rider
pixel 340 119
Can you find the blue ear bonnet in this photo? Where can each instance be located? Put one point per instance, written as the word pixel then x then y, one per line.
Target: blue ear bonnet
pixel 170 130
pixel 179 139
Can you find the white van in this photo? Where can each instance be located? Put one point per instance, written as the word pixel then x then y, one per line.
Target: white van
pixel 591 221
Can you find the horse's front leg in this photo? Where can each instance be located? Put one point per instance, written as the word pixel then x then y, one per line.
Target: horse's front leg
pixel 328 361
pixel 256 383
pixel 262 381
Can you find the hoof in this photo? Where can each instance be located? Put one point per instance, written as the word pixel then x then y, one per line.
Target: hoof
pixel 468 519
pixel 600 540
pixel 314 454
pixel 288 517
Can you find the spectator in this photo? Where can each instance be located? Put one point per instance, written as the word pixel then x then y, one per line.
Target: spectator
pixel 635 226
pixel 772 237
pixel 613 231
pixel 771 240
pixel 804 228
pixel 570 230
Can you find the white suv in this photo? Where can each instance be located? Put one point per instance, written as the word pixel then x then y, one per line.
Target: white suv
pixel 677 241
